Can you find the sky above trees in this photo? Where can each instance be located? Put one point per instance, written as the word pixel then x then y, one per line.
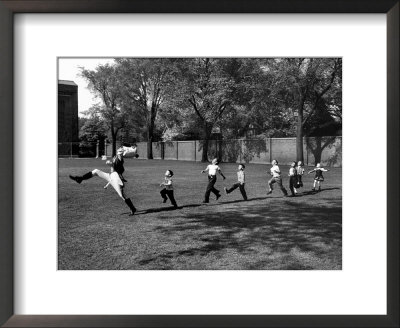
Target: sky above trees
pixel 68 69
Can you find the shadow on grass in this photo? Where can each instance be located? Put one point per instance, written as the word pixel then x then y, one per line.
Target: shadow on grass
pixel 171 208
pixel 159 209
pixel 313 192
pixel 299 231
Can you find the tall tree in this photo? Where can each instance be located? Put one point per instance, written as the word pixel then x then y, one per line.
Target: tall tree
pixel 145 82
pixel 206 88
pixel 103 81
pixel 92 128
pixel 302 84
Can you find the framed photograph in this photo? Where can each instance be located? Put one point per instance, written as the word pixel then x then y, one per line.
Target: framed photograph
pixel 159 196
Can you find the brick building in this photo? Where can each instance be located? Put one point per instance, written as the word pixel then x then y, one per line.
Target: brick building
pixel 68 129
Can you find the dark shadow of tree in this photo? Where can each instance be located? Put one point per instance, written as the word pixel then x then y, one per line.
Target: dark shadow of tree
pixel 253 148
pixel 306 228
pixel 241 150
pixel 231 151
pixel 212 151
pixel 318 144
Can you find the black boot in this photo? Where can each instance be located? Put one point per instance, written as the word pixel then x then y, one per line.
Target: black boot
pixel 86 176
pixel 131 207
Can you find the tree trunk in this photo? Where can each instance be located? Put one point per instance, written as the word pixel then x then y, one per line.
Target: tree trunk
pixel 150 132
pixel 204 156
pixel 299 134
pixel 114 143
pixel 150 148
pixel 207 134
pixel 318 150
pixel 150 137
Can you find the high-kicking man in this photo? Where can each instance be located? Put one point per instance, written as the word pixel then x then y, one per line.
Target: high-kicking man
pixel 114 178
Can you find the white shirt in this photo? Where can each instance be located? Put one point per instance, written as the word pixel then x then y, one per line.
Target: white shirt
pixel 212 169
pixel 276 173
pixel 300 170
pixel 168 183
pixel 241 177
pixel 292 172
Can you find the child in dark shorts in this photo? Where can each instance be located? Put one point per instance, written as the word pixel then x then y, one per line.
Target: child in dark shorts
pixel 168 189
pixel 318 176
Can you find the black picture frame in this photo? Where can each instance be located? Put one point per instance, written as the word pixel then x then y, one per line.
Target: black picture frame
pixel 10 7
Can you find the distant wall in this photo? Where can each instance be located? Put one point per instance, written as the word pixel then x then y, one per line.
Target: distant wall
pixel 187 150
pixel 324 150
pixel 68 130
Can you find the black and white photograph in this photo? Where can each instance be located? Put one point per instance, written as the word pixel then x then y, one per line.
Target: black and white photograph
pixel 200 163
pixel 172 166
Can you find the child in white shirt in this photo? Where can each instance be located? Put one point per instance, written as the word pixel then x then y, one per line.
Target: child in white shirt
pixel 300 172
pixel 168 189
pixel 293 179
pixel 212 169
pixel 276 178
pixel 240 183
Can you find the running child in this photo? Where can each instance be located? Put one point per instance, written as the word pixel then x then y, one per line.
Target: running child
pixel 240 183
pixel 276 178
pixel 212 169
pixel 318 176
pixel 293 179
pixel 300 172
pixel 114 177
pixel 168 189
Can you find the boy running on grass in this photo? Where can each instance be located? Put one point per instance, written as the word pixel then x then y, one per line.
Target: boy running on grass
pixel 240 183
pixel 276 178
pixel 293 179
pixel 300 172
pixel 318 176
pixel 114 177
pixel 212 169
pixel 168 189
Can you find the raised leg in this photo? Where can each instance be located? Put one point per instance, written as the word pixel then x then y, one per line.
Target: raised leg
pixel 164 195
pixel 234 186
pixel 79 179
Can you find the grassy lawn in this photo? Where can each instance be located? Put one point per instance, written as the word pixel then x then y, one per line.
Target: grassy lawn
pixel 265 233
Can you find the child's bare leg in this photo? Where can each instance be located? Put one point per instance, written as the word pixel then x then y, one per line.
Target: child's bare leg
pixel 270 182
pixel 315 183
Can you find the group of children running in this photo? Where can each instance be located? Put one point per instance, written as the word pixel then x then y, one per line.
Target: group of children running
pixel 296 172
